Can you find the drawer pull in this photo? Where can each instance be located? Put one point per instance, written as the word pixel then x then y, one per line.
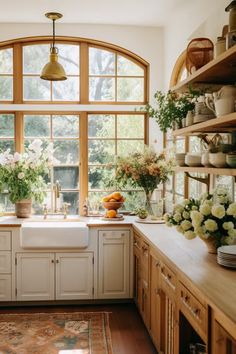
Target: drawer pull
pixel 52 260
pixel 196 312
pixel 157 264
pixel 169 276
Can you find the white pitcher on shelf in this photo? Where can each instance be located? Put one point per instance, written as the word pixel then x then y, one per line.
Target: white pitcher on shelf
pixel 223 101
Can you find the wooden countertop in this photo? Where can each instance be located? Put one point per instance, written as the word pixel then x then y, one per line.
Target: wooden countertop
pixel 216 283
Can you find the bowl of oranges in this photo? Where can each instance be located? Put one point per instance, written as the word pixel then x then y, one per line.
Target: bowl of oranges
pixel 112 203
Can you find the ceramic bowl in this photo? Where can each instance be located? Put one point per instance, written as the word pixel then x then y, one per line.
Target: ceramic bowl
pixel 231 159
pixel 226 147
pixel 112 205
pixel 180 159
pixel 193 159
pixel 218 159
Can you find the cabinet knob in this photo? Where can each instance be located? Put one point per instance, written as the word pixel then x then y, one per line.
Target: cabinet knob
pixel 57 261
pixel 52 261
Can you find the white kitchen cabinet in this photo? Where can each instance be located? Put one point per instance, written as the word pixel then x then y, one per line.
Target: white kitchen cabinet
pixel 35 276
pixel 5 265
pixel 74 276
pixel 114 264
pixel 54 276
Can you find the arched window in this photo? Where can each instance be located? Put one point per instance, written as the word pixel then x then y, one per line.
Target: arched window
pixel 75 114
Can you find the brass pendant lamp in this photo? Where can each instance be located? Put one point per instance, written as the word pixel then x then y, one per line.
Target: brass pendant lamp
pixel 53 71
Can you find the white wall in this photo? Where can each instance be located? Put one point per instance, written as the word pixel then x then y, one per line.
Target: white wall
pixel 201 18
pixel 146 42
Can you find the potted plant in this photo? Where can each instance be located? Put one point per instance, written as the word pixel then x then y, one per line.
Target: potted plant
pixel 23 175
pixel 171 108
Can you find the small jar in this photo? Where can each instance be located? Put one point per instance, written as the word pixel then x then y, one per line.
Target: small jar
pixel 189 118
pixel 220 46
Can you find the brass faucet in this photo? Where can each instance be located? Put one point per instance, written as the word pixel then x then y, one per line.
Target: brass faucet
pixel 57 191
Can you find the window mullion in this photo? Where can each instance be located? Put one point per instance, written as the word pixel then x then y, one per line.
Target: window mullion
pixel 17 74
pixel 19 132
pixel 83 163
pixel 84 73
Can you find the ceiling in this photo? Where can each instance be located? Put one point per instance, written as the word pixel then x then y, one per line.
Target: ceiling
pixel 116 12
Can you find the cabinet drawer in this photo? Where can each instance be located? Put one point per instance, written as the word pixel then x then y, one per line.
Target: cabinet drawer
pixel 112 235
pixel 193 310
pixel 5 262
pixel 5 240
pixel 168 278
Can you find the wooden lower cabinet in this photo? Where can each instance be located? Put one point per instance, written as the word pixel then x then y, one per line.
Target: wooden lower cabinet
pixel 156 314
pixel 223 339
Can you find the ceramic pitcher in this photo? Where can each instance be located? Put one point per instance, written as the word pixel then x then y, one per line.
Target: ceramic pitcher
pixel 223 101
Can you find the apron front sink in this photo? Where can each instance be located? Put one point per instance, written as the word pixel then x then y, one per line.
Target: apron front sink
pixel 54 235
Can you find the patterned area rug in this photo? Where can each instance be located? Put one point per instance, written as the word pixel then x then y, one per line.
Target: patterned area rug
pixel 55 333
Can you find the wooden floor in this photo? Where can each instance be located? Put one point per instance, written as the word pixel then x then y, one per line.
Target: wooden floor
pixel 129 335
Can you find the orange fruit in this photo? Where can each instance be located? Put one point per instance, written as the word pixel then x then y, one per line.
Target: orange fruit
pixel 111 213
pixel 106 199
pixel 116 195
pixel 112 200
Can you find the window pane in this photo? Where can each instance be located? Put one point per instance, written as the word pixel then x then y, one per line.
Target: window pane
pixel 130 126
pixel 36 89
pixel 101 89
pixel 6 88
pixel 6 61
pixel 194 144
pixel 101 62
pixel 130 89
pixel 67 175
pixel 69 58
pixel 36 126
pixel 67 151
pixel 126 147
pixel 134 199
pixel 67 90
pixel 65 126
pixel 179 184
pixel 35 57
pixel 180 145
pixel 7 144
pixel 126 67
pixel 99 177
pixel 101 151
pixel 101 125
pixel 6 125
pixel 73 199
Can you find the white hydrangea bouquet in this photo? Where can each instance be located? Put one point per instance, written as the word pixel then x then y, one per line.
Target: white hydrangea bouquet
pixel 181 217
pixel 212 218
pixel 23 174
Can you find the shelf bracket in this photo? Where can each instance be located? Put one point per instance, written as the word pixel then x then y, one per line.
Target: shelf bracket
pixel 205 180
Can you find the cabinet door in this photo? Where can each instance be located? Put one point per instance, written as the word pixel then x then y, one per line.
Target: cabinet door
pixel 169 325
pixel 74 276
pixel 5 287
pixel 223 343
pixel 114 264
pixel 137 276
pixel 35 276
pixel 155 302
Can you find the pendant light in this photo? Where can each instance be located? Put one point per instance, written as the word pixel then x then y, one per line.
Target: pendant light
pixel 53 71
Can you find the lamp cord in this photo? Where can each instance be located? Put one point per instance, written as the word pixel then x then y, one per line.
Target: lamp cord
pixel 53 34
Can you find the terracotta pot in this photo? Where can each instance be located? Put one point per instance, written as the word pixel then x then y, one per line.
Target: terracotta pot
pixel 211 244
pixel 23 208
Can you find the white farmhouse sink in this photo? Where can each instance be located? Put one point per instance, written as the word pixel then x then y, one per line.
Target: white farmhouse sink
pixel 57 234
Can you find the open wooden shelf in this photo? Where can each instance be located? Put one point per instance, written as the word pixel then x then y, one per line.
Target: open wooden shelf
pixel 219 71
pixel 224 124
pixel 207 170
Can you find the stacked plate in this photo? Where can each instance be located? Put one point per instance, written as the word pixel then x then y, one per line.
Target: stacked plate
pixel 226 256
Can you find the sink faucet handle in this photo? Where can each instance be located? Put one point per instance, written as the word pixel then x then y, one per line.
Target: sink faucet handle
pixel 65 209
pixel 45 211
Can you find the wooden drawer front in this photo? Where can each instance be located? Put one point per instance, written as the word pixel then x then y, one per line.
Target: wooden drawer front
pixel 5 240
pixel 168 278
pixel 111 235
pixel 5 262
pixel 145 249
pixel 194 311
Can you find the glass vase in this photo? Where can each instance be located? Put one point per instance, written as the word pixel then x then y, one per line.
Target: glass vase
pixel 148 204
